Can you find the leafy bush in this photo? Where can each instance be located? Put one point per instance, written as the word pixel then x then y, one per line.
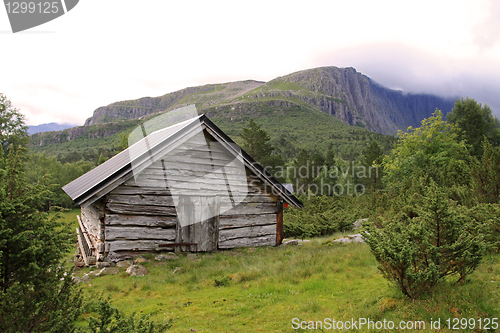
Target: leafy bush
pixel 433 149
pixel 422 244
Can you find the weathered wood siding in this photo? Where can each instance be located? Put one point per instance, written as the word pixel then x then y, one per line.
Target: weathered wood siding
pixel 141 213
pixel 138 219
pixel 92 217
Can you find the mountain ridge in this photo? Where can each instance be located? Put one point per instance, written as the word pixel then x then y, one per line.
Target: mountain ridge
pixel 49 127
pixel 344 93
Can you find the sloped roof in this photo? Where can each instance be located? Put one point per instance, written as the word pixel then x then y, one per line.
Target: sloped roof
pixel 105 177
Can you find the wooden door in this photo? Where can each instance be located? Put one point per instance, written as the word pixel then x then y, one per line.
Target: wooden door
pixel 200 216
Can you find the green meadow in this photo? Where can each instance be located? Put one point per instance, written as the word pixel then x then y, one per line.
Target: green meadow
pixel 277 289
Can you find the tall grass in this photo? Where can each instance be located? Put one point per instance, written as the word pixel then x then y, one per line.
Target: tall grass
pixel 245 290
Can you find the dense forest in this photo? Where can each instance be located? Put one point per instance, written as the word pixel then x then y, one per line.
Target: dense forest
pixel 430 197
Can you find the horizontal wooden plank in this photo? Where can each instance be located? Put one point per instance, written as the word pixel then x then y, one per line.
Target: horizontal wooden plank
pixel 239 221
pixel 181 171
pixel 141 220
pixel 248 208
pixel 136 233
pixel 158 186
pixel 200 164
pixel 133 245
pixel 154 200
pixel 143 190
pixel 198 152
pixel 247 232
pixel 193 188
pixel 269 240
pixel 140 209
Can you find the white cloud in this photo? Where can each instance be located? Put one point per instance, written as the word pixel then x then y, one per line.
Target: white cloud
pixel 105 51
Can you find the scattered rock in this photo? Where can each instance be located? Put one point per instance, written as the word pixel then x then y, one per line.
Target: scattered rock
pixel 192 256
pixel 168 256
pixel 140 260
pixel 291 242
pixel 358 224
pixel 295 241
pixel 176 270
pixel 109 271
pixel 102 264
pixel 82 279
pixel 94 273
pixel 124 264
pixel 137 270
pixel 350 239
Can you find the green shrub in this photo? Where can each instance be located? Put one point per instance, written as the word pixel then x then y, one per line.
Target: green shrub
pixel 110 319
pixel 324 215
pixel 423 244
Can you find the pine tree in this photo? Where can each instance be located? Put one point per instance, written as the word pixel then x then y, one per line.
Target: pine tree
pixel 257 144
pixel 36 294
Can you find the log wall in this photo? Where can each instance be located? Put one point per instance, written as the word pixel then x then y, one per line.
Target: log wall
pixel 140 214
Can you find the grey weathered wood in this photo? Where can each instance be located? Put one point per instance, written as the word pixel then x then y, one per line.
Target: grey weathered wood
pixel 133 245
pixel 124 189
pixel 91 220
pixel 142 233
pixel 85 233
pixel 248 208
pixel 182 162
pixel 247 232
pixel 199 173
pixel 159 186
pixel 200 215
pixel 238 221
pixel 268 240
pixel 80 244
pixel 144 199
pixel 140 209
pixel 140 220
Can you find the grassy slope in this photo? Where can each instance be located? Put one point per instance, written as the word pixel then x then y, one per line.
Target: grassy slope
pixel 265 289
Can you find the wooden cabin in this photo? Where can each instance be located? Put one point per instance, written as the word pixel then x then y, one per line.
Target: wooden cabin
pixel 187 187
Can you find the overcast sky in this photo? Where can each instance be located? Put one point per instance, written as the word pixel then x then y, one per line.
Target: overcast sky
pixel 104 51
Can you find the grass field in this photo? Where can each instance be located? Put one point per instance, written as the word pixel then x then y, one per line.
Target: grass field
pixel 264 289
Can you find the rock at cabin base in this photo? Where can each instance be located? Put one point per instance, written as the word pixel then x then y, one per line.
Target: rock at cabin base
pixel 140 260
pixel 124 264
pixel 102 264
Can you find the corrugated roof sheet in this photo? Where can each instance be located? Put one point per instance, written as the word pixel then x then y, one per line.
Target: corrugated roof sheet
pixel 81 185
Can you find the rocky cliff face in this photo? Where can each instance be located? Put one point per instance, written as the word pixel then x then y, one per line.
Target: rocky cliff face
pixel 343 93
pixel 355 99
